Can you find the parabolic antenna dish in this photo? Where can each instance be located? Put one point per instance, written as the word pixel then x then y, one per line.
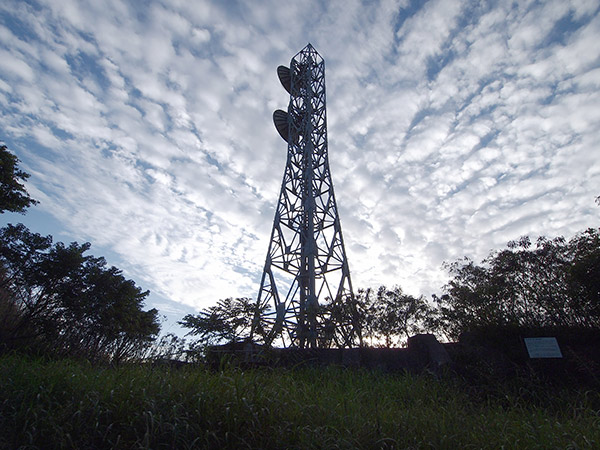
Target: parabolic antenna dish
pixel 280 119
pixel 284 76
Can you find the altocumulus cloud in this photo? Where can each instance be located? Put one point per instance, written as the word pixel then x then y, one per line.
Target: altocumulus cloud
pixel 454 126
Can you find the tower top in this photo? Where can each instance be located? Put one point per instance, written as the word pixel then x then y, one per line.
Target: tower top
pixel 309 50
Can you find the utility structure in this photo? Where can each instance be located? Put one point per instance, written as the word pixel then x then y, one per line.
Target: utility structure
pixel 305 294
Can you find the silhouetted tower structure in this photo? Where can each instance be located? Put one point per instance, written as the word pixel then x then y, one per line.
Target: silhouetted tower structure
pixel 306 282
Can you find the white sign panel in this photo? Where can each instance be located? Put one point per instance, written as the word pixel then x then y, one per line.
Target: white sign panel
pixel 543 347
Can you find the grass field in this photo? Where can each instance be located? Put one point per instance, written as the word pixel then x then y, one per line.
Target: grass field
pixel 65 404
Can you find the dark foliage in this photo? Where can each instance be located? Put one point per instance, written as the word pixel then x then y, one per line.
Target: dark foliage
pixel 388 317
pixel 338 323
pixel 57 300
pixel 13 196
pixel 553 283
pixel 229 320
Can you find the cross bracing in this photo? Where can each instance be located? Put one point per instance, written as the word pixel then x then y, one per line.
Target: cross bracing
pixel 306 278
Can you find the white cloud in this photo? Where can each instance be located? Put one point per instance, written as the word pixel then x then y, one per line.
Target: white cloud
pixel 449 135
pixel 14 67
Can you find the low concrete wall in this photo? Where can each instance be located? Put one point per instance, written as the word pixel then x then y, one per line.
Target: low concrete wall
pixel 502 353
pixel 423 352
pixel 497 355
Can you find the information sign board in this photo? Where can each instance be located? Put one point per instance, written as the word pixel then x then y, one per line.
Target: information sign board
pixel 543 347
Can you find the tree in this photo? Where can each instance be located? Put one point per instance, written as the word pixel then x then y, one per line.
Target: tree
pixel 584 275
pixel 396 316
pixel 230 320
pixel 388 318
pixel 21 254
pixel 13 196
pixel 340 322
pixel 58 299
pixel 365 315
pixel 551 284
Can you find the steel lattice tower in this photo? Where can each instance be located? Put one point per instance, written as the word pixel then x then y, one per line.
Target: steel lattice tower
pixel 305 286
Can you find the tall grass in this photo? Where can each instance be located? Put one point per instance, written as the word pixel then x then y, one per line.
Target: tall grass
pixel 65 404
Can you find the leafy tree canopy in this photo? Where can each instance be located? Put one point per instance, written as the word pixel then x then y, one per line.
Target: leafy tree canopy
pixel 57 298
pixel 13 196
pixel 229 320
pixel 389 316
pixel 550 283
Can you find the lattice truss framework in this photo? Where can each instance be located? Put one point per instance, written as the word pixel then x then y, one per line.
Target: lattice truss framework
pixel 306 285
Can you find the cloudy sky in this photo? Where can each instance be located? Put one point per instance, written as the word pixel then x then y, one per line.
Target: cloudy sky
pixel 454 127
